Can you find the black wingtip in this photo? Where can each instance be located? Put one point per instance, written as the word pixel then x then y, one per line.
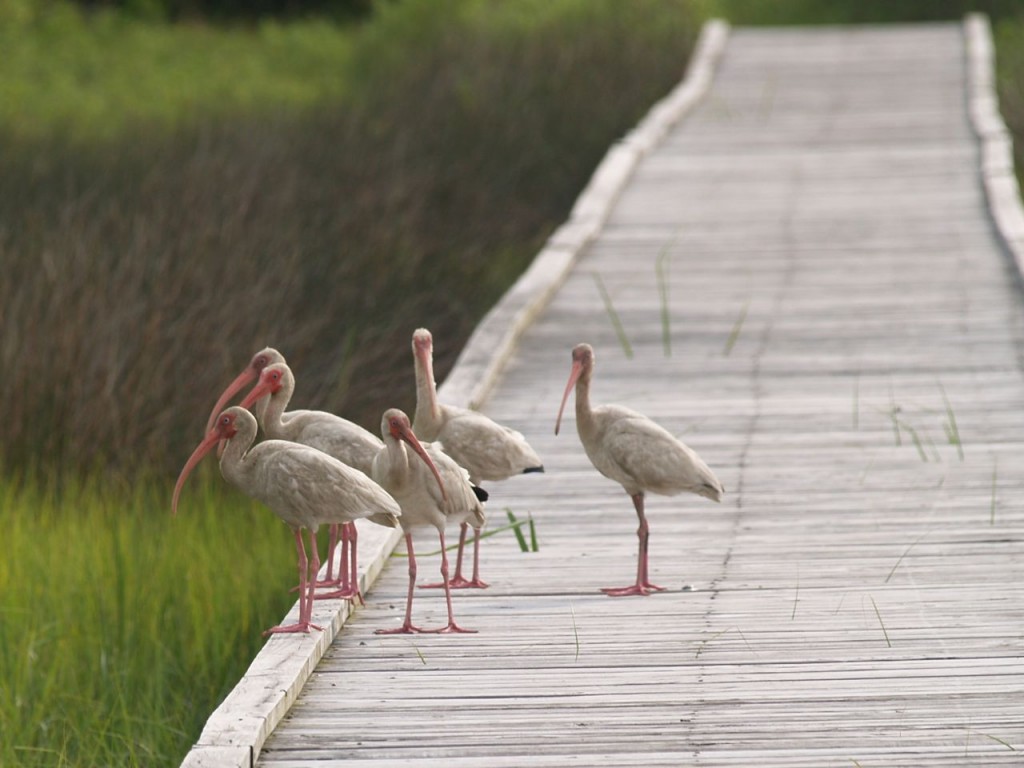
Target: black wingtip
pixel 528 470
pixel 480 493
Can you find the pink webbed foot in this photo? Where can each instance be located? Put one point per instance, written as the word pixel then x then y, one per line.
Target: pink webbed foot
pixel 300 626
pixel 634 589
pixel 320 584
pixel 451 629
pixel 459 582
pixel 405 629
pixel 342 594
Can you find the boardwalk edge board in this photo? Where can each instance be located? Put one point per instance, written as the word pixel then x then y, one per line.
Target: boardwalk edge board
pixel 236 731
pixel 997 168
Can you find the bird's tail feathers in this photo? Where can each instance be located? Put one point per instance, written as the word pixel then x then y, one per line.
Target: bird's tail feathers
pixel 387 519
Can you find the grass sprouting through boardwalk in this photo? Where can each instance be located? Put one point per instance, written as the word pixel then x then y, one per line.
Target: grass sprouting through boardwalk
pixel 613 316
pixel 737 327
pixel 661 272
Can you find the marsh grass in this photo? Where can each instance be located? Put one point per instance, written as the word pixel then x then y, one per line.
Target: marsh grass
pixel 737 327
pixel 613 316
pixel 142 270
pixel 122 627
pixel 950 427
pixel 992 501
pixel 575 633
pixel 516 526
pixel 661 267
pixel 881 623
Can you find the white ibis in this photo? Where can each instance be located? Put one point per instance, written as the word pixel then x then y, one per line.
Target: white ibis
pixel 302 485
pixel 488 450
pixel 344 440
pixel 632 450
pixel 448 497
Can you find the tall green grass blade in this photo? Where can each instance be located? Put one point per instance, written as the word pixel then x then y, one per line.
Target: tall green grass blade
pixel 737 326
pixel 796 596
pixel 419 653
pixel 661 272
pixel 996 739
pixel 880 622
pixel 903 555
pixel 575 632
pixel 613 316
pixel 856 402
pixel 894 412
pixel 516 526
pixel 916 438
pixel 952 430
pixel 533 534
pixel 992 501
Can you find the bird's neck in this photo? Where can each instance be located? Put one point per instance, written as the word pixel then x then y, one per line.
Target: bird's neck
pixel 584 412
pixel 428 410
pixel 272 417
pixel 232 461
pixel 397 470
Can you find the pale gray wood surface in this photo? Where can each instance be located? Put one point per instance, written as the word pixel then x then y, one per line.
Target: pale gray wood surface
pixel 839 307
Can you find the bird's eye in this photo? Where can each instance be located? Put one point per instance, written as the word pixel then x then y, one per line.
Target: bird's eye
pixel 225 420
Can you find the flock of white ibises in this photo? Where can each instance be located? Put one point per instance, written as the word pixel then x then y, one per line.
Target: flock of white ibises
pixel 315 468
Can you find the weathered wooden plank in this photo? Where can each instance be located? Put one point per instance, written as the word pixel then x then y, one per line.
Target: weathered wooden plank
pixel 845 352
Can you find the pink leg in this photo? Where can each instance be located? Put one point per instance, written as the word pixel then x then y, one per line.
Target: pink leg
pixel 476 582
pixel 332 545
pixel 305 589
pixel 349 569
pixel 452 626
pixel 458 581
pixel 643 586
pixel 407 627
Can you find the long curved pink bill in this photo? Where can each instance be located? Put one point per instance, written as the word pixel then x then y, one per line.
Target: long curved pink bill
pixel 240 381
pixel 197 455
pixel 410 438
pixel 577 369
pixel 261 389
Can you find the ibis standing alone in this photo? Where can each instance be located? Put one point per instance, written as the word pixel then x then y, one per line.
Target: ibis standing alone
pixel 632 450
pixel 344 440
pixel 447 497
pixel 301 485
pixel 488 450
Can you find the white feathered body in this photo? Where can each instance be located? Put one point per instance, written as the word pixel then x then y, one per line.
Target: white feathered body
pixel 303 486
pixel 641 455
pixel 407 478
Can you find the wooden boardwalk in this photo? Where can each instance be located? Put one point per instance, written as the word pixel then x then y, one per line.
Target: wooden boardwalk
pixel 816 299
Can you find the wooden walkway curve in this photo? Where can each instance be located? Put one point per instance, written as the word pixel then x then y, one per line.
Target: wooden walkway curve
pixel 818 299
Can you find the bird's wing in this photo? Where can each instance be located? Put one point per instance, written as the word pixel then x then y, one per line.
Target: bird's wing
pixel 489 450
pixel 308 484
pixel 344 440
pixel 462 502
pixel 648 457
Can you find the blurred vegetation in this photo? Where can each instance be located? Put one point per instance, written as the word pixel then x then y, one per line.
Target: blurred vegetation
pixel 772 12
pixel 146 265
pixel 120 627
pixel 1009 40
